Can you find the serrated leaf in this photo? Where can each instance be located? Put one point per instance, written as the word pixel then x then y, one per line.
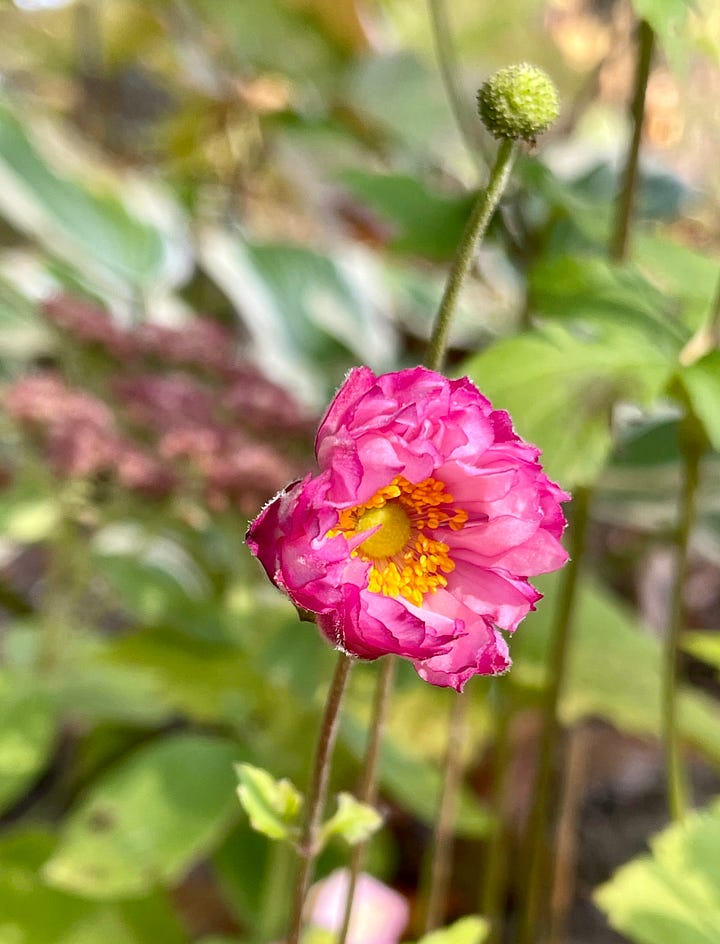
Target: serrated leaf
pixel 273 806
pixel 469 930
pixel 354 821
pixel 560 389
pixel 673 895
pixel 148 820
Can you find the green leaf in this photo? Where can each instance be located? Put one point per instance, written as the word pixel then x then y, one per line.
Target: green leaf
pixel 302 308
pixel 27 734
pixel 33 913
pixel 589 287
pixel 273 806
pixel 148 820
pixel 560 388
pixel 614 669
pixel 673 895
pixel 701 382
pixel 668 19
pixel 354 821
pixel 94 232
pixel 425 223
pixel 468 930
pixel 416 784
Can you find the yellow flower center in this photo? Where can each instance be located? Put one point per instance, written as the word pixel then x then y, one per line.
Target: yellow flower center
pixel 394 532
pixel 406 560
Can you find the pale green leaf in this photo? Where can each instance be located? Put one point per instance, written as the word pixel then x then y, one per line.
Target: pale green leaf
pixel 560 388
pixel 354 821
pixel 148 820
pixel 469 930
pixel 273 806
pixel 673 895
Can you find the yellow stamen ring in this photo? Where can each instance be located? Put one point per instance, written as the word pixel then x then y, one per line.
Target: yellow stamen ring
pixel 406 561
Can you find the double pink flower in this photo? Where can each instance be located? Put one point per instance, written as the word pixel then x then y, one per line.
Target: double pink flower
pixel 419 533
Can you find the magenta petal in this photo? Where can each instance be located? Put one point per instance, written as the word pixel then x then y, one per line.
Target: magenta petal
pixel 417 426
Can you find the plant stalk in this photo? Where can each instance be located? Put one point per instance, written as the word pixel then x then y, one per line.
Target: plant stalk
pixel 475 229
pixel 317 792
pixel 557 663
pixel 369 785
pixel 675 773
pixel 442 848
pixel 626 200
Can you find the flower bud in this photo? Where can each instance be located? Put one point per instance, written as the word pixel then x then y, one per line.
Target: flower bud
pixel 519 101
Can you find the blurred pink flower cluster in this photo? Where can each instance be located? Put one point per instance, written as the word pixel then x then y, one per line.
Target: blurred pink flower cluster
pixel 174 410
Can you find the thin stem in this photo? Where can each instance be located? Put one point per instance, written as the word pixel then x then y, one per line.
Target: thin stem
pixel 675 773
pixel 557 661
pixel 442 847
pixel 274 893
pixel 626 199
pixel 369 785
pixel 475 229
pixel 467 123
pixel 317 792
pixel 495 865
pixel 566 836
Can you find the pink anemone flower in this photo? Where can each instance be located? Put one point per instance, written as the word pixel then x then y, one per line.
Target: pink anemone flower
pixel 418 534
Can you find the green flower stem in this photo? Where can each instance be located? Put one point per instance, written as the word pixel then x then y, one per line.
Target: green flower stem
pixel 676 777
pixel 494 873
pixel 557 661
pixel 475 229
pixel 442 847
pixel 465 119
pixel 626 200
pixel 317 792
pixel 369 786
pixel 274 894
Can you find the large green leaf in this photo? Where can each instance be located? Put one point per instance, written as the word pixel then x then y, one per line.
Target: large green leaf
pixel 33 913
pixel 614 669
pixel 148 820
pixel 560 388
pixel 27 731
pixel 424 222
pixel 588 287
pixel 673 895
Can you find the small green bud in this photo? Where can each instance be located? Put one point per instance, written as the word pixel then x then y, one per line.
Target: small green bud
pixel 518 101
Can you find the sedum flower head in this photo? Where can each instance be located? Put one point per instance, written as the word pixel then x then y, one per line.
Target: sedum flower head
pixel 518 102
pixel 418 533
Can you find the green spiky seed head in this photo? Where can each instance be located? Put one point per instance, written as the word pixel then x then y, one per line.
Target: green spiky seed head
pixel 518 101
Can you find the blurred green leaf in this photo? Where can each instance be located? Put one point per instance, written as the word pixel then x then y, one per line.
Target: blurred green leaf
pixel 469 930
pixel 23 335
pixel 614 669
pixel 33 913
pixel 560 388
pixel 673 895
pixel 148 820
pixel 589 287
pixel 424 223
pixel 701 382
pixel 668 19
pixel 94 232
pixel 353 821
pixel 704 645
pixel 415 784
pixel 273 806
pixel 27 734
